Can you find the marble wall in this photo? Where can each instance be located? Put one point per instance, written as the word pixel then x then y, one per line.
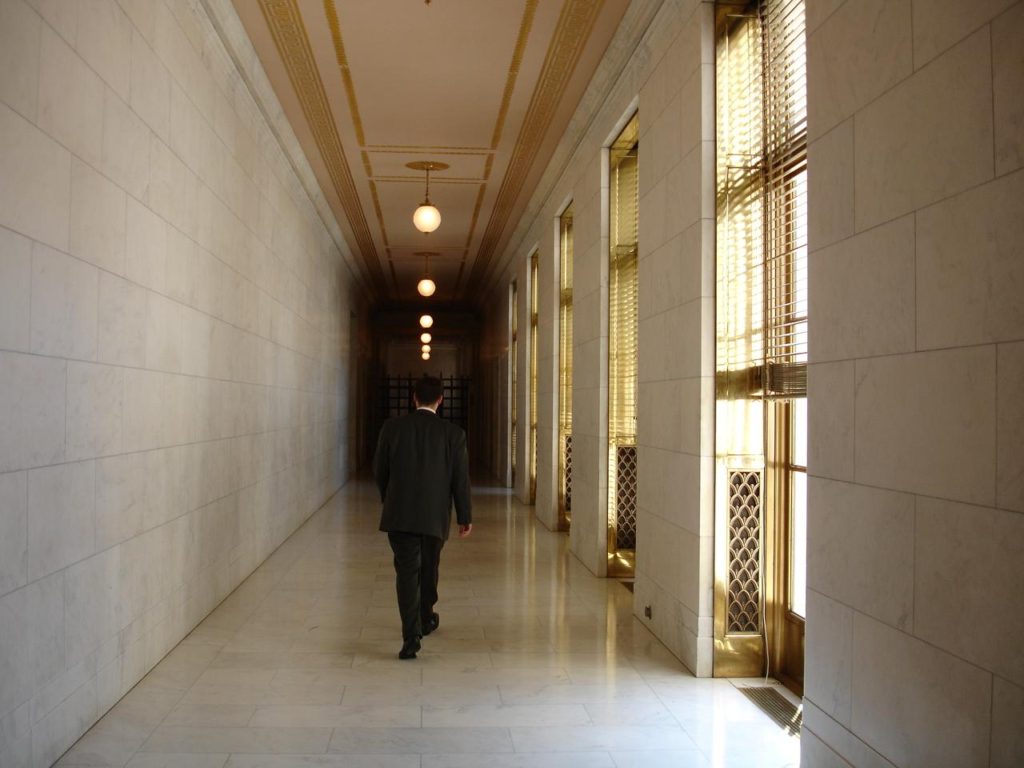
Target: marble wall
pixel 916 489
pixel 174 333
pixel 661 62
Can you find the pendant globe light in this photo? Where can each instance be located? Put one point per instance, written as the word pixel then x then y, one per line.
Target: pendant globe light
pixel 427 218
pixel 426 321
pixel 425 355
pixel 425 338
pixel 426 286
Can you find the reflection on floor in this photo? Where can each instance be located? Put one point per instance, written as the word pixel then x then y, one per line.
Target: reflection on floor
pixel 536 663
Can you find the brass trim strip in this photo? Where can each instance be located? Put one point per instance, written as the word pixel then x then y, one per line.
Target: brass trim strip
pixel 476 214
pixel 378 150
pixel 575 24
pixel 286 27
pixel 380 215
pixel 346 75
pixel 513 70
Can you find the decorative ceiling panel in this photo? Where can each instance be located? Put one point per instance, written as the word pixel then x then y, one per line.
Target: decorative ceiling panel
pixel 486 86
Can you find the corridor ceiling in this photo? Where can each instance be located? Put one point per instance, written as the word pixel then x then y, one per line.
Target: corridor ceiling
pixel 486 86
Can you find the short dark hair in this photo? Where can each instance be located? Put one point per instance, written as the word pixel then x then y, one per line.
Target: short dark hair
pixel 428 390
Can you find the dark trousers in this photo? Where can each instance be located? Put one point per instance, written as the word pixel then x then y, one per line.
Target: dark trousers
pixel 417 558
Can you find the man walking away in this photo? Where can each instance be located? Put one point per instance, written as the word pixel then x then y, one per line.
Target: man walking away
pixel 421 467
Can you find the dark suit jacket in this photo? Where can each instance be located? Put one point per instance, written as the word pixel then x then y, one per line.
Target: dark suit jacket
pixel 421 466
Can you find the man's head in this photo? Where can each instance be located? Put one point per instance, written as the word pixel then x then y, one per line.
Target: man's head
pixel 428 392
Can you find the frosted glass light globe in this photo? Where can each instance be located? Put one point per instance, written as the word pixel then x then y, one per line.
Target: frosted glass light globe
pixel 425 348
pixel 425 355
pixel 426 321
pixel 426 218
pixel 425 338
pixel 426 287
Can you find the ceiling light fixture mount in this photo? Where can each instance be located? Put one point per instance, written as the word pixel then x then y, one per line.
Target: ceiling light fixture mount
pixel 427 218
pixel 426 286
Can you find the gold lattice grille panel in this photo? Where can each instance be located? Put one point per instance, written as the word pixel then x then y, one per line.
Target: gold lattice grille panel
pixel 744 594
pixel 625 497
pixel 568 473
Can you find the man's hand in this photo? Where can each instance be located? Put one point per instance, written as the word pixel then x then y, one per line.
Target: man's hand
pixel 465 530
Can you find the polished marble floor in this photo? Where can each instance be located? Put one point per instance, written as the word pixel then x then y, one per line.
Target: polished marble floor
pixel 536 664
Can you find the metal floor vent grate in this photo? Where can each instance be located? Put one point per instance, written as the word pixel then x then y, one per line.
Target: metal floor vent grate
pixel 781 710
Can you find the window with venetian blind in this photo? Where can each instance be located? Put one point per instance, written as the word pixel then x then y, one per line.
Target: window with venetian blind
pixel 513 357
pixel 565 365
pixel 761 319
pixel 534 263
pixel 623 336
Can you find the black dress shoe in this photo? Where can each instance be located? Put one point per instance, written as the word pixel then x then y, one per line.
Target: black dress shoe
pixel 432 624
pixel 409 649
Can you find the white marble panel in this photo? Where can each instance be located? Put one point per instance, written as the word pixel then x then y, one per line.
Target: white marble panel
pixel 860 548
pixel 828 664
pixel 940 24
pixel 1008 87
pixel 670 485
pixel 32 419
pixel 64 305
pixel 35 198
pixel 944 111
pixel 965 575
pixel 830 420
pixel 150 87
pixel 1010 428
pixel 97 219
pixel 970 275
pixel 122 322
pixel 146 247
pixel 163 333
pixel 15 291
pixel 862 294
pixel 1007 716
pixel 678 356
pixel 126 139
pixel 13 531
pixel 143 418
pixel 93 593
pixel 830 186
pixel 104 40
pixel 20 30
pixel 863 50
pixel 61 525
pixel 61 15
pixel 120 498
pixel 94 410
pixel 671 274
pixel 31 639
pixel 70 99
pixel 815 753
pixel 915 704
pixel 925 423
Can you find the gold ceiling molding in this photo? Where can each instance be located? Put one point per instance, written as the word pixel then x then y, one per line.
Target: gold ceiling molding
pixel 385 150
pixel 575 24
pixel 380 213
pixel 476 213
pixel 525 24
pixel 285 24
pixel 488 166
pixel 455 180
pixel 339 53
